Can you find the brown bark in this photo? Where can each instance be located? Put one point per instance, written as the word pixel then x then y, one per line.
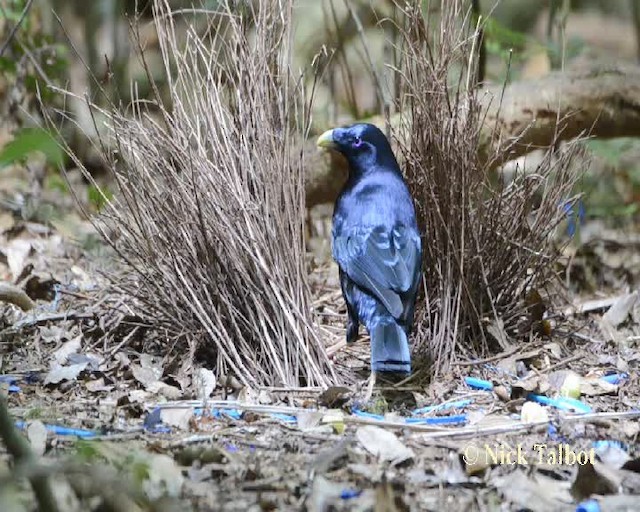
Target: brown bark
pixel 602 101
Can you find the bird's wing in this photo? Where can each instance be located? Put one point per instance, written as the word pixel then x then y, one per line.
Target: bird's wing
pixel 382 261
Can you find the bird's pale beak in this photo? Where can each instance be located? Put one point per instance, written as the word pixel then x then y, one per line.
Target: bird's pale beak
pixel 326 140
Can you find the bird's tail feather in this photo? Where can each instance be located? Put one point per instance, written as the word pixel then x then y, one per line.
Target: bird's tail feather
pixel 389 348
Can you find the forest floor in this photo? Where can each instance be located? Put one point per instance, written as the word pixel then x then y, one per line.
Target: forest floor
pixel 113 421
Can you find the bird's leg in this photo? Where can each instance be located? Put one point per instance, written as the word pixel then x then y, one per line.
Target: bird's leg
pixel 353 323
pixel 369 390
pixel 352 326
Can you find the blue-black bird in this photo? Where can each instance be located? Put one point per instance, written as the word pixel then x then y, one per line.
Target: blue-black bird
pixel 376 245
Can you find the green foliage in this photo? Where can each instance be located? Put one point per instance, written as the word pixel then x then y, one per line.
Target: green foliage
pixel 55 182
pixel 28 140
pixel 99 197
pixel 614 192
pixel 500 38
pixel 34 413
pixel 31 44
pixel 611 150
pixel 88 451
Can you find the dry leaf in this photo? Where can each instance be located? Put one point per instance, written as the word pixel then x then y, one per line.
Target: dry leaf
pixel 165 390
pixel 70 347
pixel 383 444
pixel 537 493
pixel 59 373
pixel 620 309
pixel 204 382
pixel 595 478
pixel 164 477
pixel 17 253
pixel 148 371
pixel 37 434
pixel 176 417
pixel 309 419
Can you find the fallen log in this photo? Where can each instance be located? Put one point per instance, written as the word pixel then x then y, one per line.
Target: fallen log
pixel 602 101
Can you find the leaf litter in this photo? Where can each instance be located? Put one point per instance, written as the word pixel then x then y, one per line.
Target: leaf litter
pixel 158 429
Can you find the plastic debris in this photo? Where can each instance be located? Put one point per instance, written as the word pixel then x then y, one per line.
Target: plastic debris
pixel 459 404
pixel 11 380
pixel 287 418
pixel 152 419
pixel 348 494
pixel 588 506
pixel 606 443
pixel 61 431
pixel 438 420
pixel 234 414
pixel 615 378
pixel 562 403
pixel 475 383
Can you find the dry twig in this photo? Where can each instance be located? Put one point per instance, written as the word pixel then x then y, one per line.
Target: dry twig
pixel 209 209
pixel 486 245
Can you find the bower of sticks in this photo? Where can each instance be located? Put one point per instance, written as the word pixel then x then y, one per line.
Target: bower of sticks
pixel 174 337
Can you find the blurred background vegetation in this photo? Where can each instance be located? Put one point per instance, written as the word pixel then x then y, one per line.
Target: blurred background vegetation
pixel 346 50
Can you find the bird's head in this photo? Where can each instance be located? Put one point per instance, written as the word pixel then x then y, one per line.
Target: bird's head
pixel 363 145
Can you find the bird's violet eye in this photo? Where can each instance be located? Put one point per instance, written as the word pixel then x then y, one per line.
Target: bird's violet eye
pixel 357 142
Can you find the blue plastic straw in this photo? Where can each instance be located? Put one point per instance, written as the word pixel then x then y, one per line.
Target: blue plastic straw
pixel 438 420
pixel 459 404
pixel 562 403
pixel 62 431
pixel 475 383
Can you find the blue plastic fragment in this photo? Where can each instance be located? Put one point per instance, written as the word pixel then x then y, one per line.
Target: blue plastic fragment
pixel 61 431
pixel 588 506
pixel 153 423
pixel 603 444
pixel 475 383
pixel 234 414
pixel 615 378
pixel 438 420
pixel 287 418
pixel 562 403
pixel 153 419
pixel 11 380
pixel 459 404
pixel 348 494
pixel 231 447
pixel 159 429
pixel 364 414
